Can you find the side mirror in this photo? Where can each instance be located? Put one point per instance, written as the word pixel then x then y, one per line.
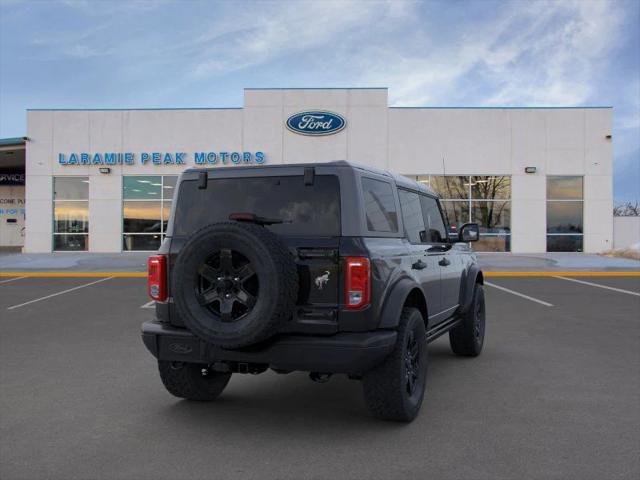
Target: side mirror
pixel 469 232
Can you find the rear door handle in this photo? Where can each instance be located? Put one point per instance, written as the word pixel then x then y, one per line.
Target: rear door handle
pixel 444 262
pixel 419 265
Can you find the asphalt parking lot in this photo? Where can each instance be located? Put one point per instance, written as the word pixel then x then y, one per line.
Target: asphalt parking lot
pixel 554 395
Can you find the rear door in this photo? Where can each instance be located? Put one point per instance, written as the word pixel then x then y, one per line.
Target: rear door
pixel 424 267
pixel 439 248
pixel 309 212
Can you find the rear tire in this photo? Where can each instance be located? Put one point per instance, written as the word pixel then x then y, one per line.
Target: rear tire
pixel 394 390
pixel 187 380
pixel 467 338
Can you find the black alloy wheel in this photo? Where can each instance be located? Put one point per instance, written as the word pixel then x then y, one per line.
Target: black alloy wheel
pixel 234 284
pixel 478 321
pixel 412 363
pixel 227 285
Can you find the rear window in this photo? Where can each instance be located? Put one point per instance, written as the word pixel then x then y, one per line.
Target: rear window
pixel 379 205
pixel 305 209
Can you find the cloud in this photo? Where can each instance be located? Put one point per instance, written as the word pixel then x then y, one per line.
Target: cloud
pixel 266 32
pixel 538 53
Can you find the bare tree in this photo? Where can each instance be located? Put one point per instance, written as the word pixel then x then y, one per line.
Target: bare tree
pixel 628 209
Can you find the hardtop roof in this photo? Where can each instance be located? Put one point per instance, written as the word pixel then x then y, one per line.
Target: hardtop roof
pixel 400 180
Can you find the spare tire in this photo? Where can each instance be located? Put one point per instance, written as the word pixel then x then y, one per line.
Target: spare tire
pixel 234 284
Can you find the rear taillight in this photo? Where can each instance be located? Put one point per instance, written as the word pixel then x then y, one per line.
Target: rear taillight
pixel 357 282
pixel 157 277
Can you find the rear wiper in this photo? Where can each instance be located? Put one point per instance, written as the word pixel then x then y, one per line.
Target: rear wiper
pixel 253 218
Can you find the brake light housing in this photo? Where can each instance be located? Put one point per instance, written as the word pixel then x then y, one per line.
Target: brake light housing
pixel 357 282
pixel 157 277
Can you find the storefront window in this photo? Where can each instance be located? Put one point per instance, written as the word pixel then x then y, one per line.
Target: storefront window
pixel 450 187
pixel 457 213
pixel 482 199
pixel 564 214
pixel 70 213
pixel 146 206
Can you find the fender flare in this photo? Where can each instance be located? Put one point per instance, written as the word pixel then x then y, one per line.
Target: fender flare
pixel 473 275
pixel 390 314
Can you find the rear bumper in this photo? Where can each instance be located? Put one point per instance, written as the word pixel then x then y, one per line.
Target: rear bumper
pixel 352 353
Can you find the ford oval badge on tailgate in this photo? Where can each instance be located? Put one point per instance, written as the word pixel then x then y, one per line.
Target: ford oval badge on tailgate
pixel 316 122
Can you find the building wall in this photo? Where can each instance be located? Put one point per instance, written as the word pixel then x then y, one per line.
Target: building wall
pixel 404 140
pixel 626 231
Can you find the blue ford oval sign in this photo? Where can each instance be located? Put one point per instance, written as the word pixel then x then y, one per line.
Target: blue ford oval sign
pixel 316 122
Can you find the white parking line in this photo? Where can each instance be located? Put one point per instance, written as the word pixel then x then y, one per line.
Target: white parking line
pixel 59 293
pixel 150 304
pixel 512 292
pixel 12 279
pixel 628 292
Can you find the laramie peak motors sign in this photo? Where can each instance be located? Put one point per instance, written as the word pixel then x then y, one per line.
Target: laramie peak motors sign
pixel 316 123
pixel 161 158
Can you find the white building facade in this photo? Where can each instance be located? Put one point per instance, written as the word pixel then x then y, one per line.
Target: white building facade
pixel 536 179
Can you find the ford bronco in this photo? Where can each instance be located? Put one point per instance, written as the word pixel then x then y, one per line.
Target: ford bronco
pixel 328 268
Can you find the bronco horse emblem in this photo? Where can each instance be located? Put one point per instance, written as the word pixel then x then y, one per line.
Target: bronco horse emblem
pixel 322 280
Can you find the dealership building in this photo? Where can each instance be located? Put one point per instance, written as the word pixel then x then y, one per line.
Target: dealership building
pixel 535 179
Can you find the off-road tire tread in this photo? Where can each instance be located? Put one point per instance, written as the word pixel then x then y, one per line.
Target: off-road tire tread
pixel 462 337
pixel 383 385
pixel 187 382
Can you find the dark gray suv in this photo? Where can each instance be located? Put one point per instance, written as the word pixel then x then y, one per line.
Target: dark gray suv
pixel 326 268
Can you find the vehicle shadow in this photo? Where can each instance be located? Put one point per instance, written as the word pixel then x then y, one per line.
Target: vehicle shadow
pixel 293 404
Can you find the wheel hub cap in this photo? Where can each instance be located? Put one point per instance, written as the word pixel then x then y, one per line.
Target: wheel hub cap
pixel 227 285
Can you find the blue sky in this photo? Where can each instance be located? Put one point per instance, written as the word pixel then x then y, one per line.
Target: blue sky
pixel 79 54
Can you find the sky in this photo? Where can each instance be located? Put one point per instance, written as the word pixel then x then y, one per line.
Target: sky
pixel 121 54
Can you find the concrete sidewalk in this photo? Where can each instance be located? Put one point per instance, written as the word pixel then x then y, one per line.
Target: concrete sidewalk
pixel 554 262
pixel 73 262
pixel 136 262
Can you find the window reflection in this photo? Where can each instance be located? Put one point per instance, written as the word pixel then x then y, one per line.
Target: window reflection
pixel 564 217
pixel 64 243
pixel 436 231
pixel 146 207
pixel 71 217
pixel 70 213
pixel 142 187
pixel 564 213
pixel 71 188
pixel 561 188
pixel 490 187
pixel 564 243
pixel 412 217
pixel 141 242
pixel 493 243
pixel 141 217
pixel 379 206
pixel 457 213
pixel 461 201
pixel 493 217
pixel 450 187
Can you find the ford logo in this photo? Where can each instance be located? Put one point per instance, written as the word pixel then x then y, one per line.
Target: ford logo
pixel 316 122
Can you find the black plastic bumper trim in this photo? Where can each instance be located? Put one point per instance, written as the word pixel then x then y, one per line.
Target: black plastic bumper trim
pixel 352 353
